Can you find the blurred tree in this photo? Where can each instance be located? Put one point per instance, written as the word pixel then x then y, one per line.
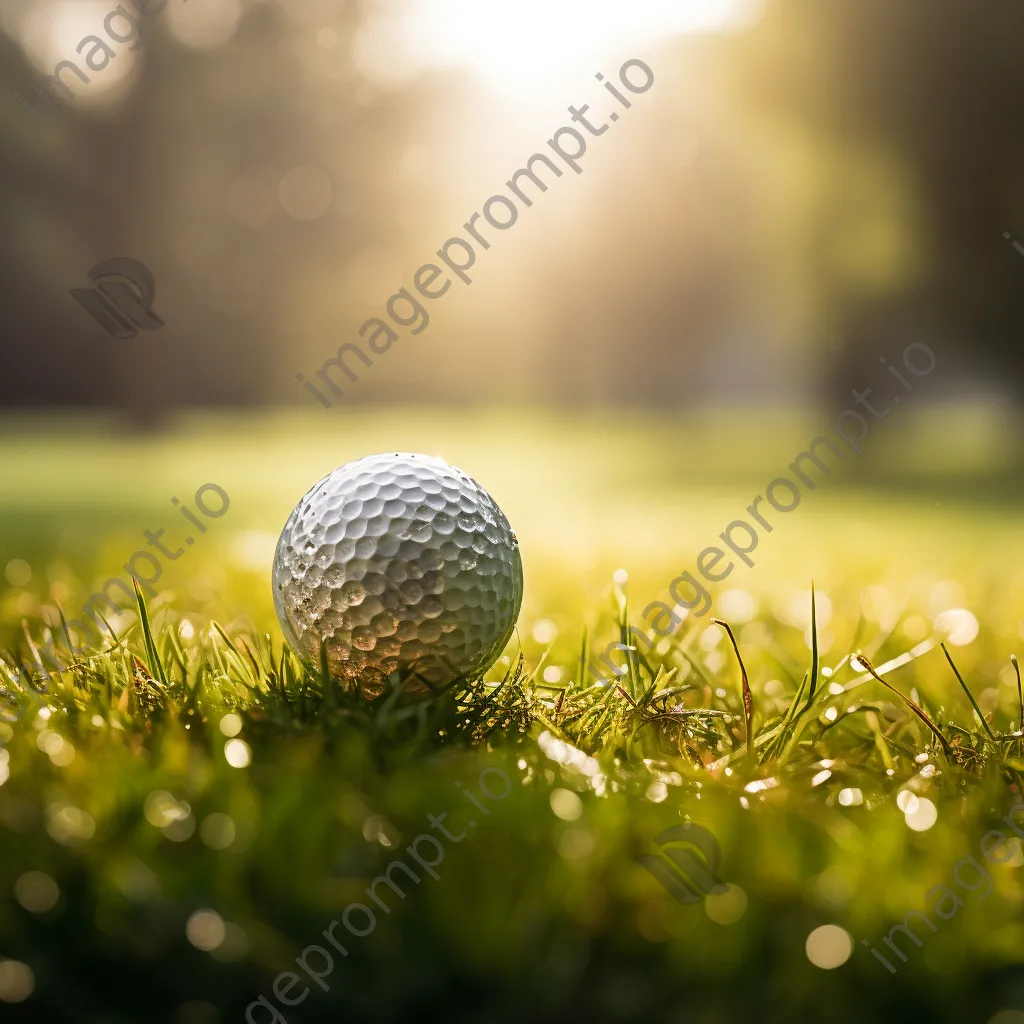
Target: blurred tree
pixel 937 88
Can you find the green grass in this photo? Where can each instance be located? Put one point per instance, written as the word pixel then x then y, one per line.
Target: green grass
pixel 538 912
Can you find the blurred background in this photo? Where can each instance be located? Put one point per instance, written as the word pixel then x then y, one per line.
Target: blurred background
pixel 807 186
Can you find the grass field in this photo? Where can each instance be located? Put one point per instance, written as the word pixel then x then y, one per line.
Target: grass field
pixel 182 815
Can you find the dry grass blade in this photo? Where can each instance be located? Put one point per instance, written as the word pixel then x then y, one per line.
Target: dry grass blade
pixel 917 709
pixel 1020 695
pixel 918 651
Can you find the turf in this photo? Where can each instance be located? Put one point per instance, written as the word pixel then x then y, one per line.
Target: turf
pixel 125 788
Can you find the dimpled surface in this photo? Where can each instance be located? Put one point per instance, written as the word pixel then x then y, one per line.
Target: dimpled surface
pixel 398 562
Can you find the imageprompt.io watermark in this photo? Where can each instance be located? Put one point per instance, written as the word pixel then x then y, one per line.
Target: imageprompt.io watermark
pixel 741 537
pixel 1013 241
pixel 143 566
pixel 459 254
pixel 995 848
pixel 358 919
pixel 122 301
pixel 122 26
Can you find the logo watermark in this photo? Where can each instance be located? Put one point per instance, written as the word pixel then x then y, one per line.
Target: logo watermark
pixel 359 919
pixel 143 566
pixel 741 537
pixel 686 862
pixel 410 309
pixel 122 301
pixel 995 848
pixel 1013 241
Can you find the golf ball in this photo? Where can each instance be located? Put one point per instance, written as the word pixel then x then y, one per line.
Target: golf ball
pixel 398 563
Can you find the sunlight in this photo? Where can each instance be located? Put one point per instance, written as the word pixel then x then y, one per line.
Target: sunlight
pixel 535 41
pixel 534 44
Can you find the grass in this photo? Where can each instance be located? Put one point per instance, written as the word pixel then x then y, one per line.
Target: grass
pixel 191 763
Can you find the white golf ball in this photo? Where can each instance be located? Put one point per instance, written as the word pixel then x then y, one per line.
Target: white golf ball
pixel 398 563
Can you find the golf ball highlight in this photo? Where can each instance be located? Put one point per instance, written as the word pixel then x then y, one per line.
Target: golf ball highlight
pixel 398 563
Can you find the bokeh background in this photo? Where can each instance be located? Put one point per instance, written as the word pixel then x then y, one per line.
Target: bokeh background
pixel 808 188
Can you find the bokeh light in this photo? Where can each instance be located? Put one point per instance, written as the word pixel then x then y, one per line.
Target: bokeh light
pixel 237 753
pixel 566 804
pixel 17 981
pixel 36 891
pixel 923 816
pixel 829 946
pixel 727 906
pixel 205 930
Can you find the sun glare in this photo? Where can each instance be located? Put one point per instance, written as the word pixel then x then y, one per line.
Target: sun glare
pixel 534 43
pixel 52 33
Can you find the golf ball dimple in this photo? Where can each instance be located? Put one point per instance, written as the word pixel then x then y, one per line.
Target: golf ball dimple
pixel 398 563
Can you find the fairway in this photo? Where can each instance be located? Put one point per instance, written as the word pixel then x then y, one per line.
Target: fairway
pixel 934 497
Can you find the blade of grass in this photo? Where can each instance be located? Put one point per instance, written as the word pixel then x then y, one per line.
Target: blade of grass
pixel 814 647
pixel 34 650
pixel 970 696
pixel 791 713
pixel 156 666
pixel 871 717
pixel 748 700
pixel 1020 696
